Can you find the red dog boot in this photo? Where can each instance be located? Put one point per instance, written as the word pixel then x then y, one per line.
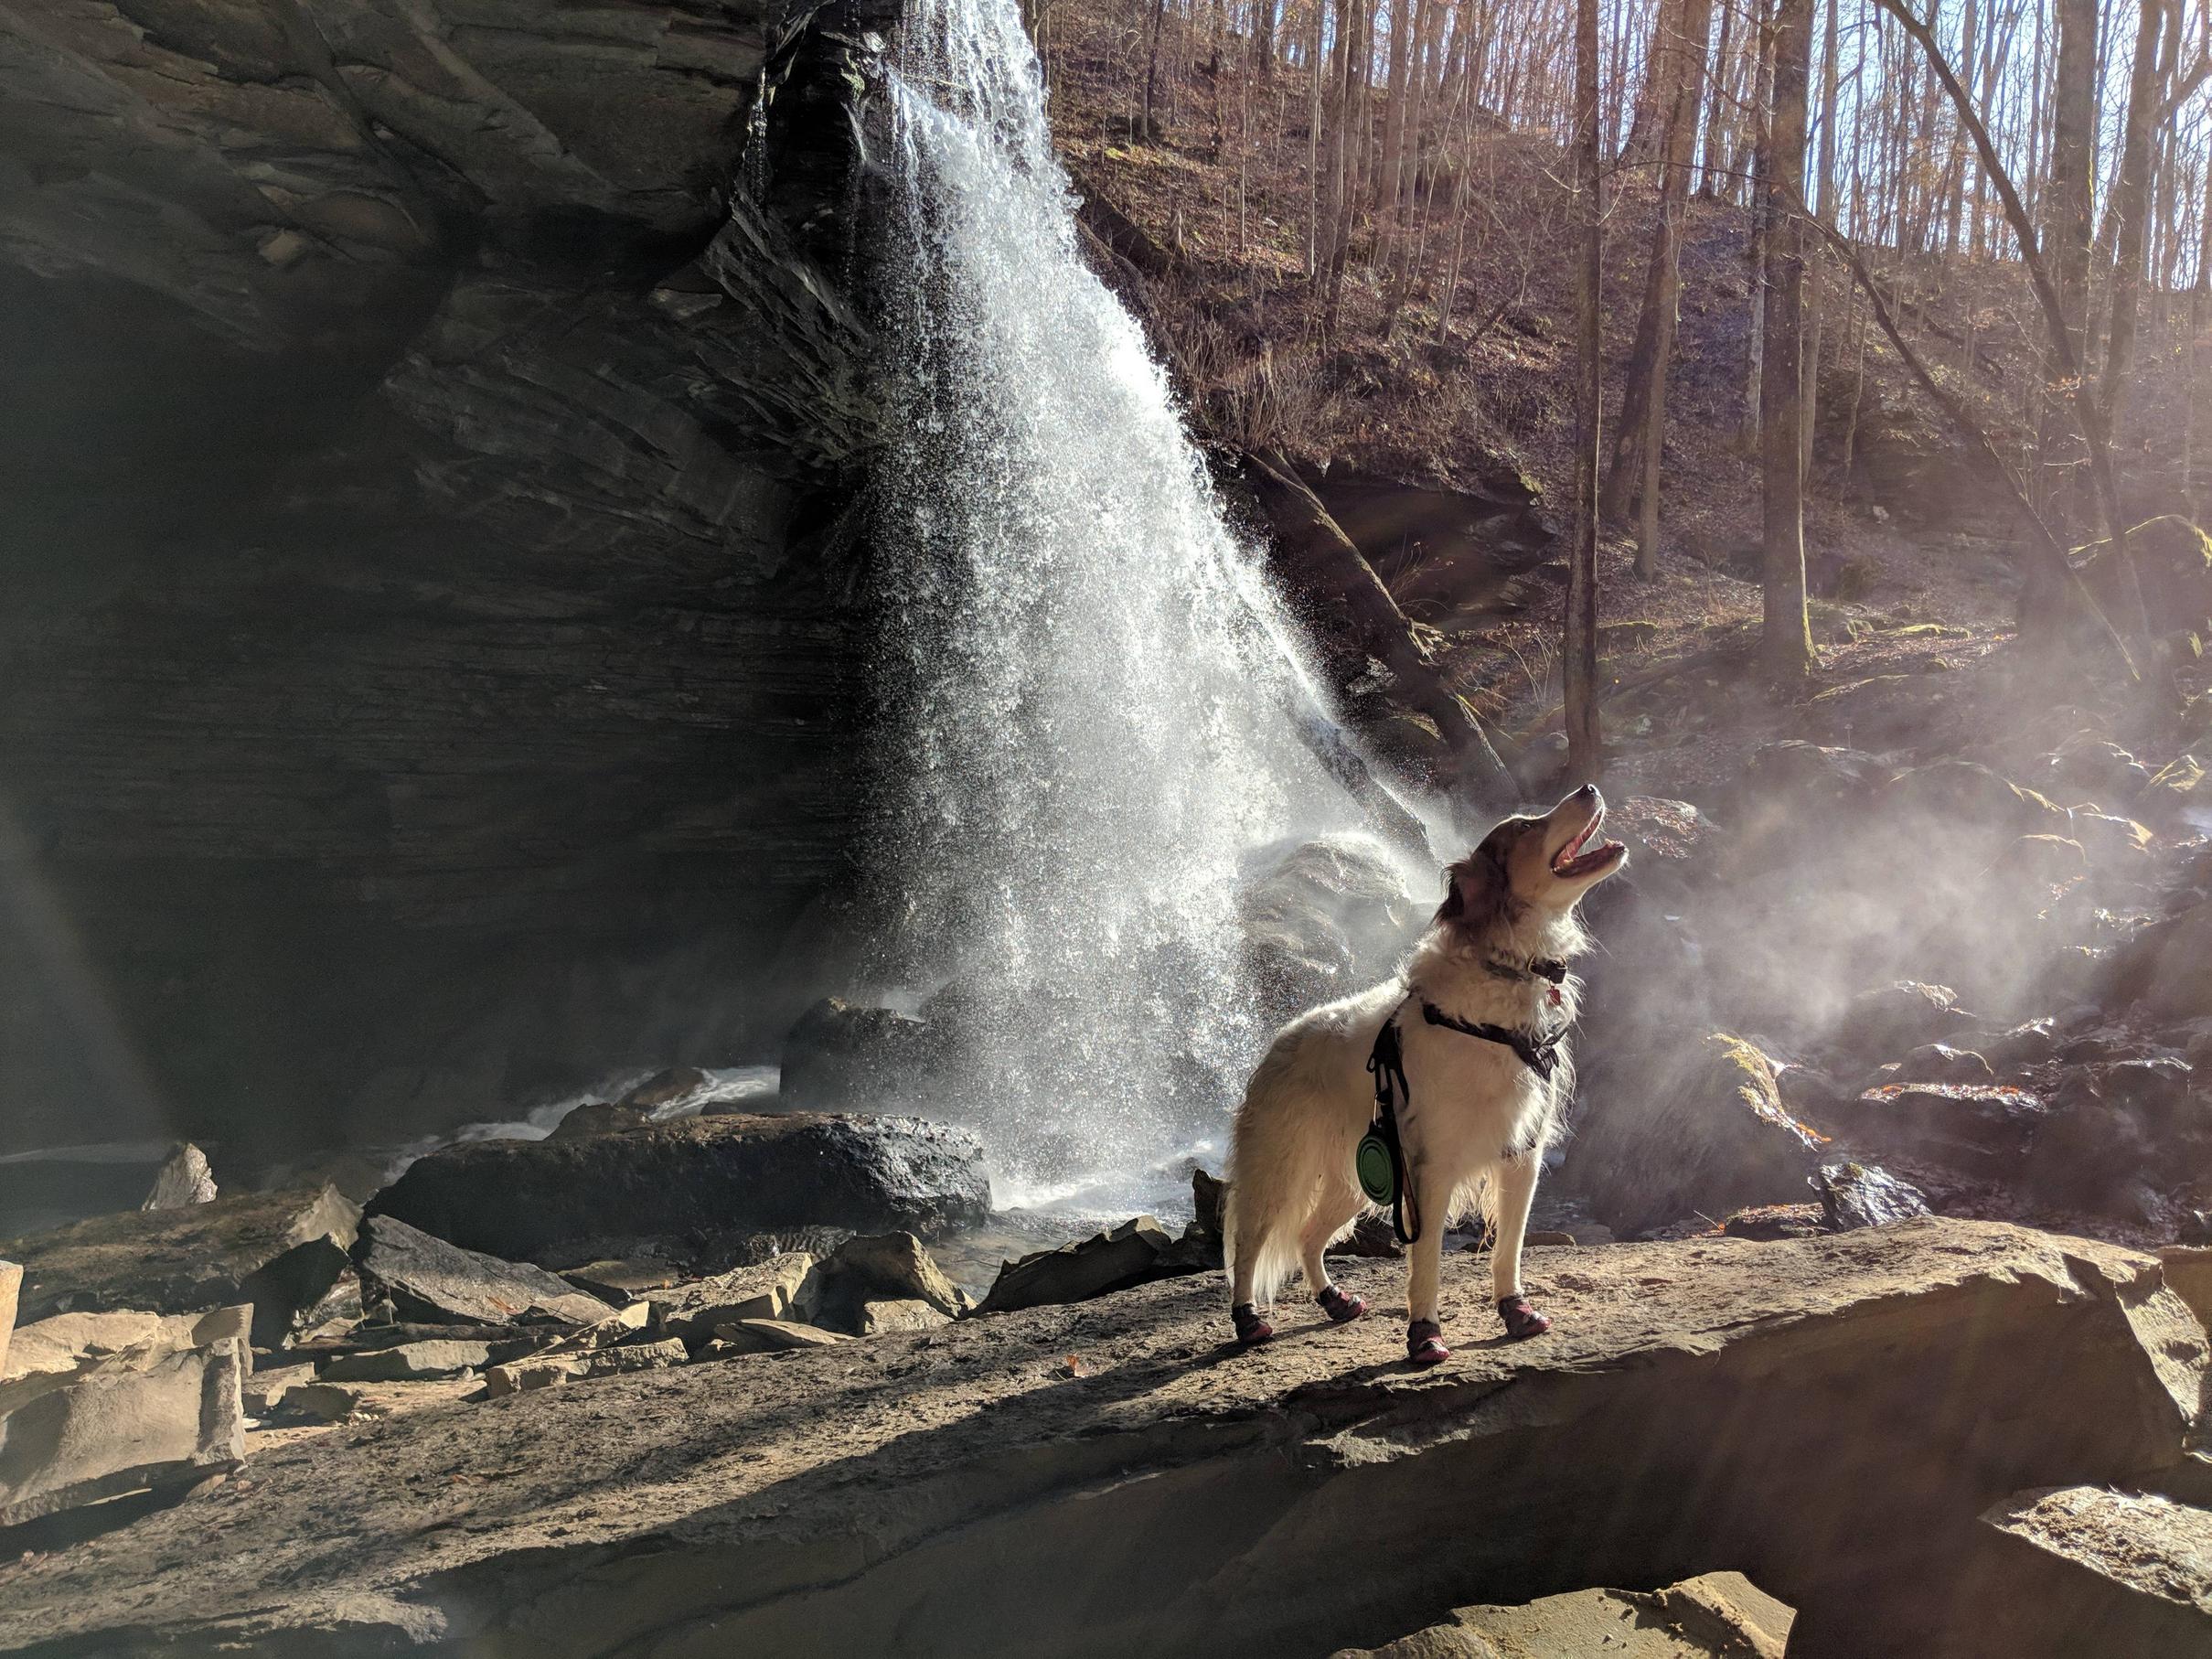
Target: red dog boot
pixel 1340 1305
pixel 1251 1328
pixel 1424 1343
pixel 1521 1320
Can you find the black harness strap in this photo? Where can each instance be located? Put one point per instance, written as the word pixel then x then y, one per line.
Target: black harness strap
pixel 1540 1055
pixel 1386 1064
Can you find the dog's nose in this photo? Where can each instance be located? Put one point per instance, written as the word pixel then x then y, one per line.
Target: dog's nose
pixel 1588 792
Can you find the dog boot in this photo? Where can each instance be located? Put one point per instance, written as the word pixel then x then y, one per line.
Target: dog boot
pixel 1341 1306
pixel 1424 1342
pixel 1250 1327
pixel 1522 1320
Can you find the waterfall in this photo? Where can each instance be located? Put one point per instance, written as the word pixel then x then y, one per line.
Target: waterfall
pixel 1090 695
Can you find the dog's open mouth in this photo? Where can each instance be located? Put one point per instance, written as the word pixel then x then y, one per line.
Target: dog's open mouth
pixel 1571 861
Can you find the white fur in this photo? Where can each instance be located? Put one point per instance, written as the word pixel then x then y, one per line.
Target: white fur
pixel 1292 1189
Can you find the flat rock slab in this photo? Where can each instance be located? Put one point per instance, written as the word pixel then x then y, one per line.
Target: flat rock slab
pixel 1830 1416
pixel 430 1279
pixel 694 1177
pixel 2089 1569
pixel 280 1251
pixel 1718 1616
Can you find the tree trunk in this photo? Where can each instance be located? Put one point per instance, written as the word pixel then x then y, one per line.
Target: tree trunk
pixel 1644 394
pixel 1787 638
pixel 1712 184
pixel 2130 196
pixel 2066 197
pixel 1585 755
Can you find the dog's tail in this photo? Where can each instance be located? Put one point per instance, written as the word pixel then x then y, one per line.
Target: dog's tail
pixel 1280 1155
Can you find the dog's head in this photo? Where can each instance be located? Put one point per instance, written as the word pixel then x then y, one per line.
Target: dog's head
pixel 1533 865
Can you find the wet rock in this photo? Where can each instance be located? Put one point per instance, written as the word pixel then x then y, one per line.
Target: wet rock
pixel 63 1345
pixel 1323 919
pixel 2168 965
pixel 693 1177
pixel 2089 1569
pixel 2117 844
pixel 2030 1044
pixel 1893 1018
pixel 841 1057
pixel 1662 1413
pixel 1129 1255
pixel 185 1179
pixel 1769 1221
pixel 876 1318
pixel 597 1117
pixel 409 1363
pixel 774 1336
pixel 2097 766
pixel 280 1251
pixel 1865 1195
pixel 784 1286
pixel 1707 1134
pixel 2173 789
pixel 1208 1193
pixel 664 1088
pixel 429 1279
pixel 1717 1616
pixel 1963 800
pixel 1985 1128
pixel 1940 1063
pixel 1789 789
pixel 146 1417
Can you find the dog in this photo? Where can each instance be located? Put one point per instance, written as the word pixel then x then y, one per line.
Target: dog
pixel 1479 1012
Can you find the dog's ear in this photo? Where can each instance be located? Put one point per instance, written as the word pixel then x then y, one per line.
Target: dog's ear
pixel 1474 888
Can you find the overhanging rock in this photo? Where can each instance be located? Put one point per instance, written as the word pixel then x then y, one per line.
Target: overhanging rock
pixel 1830 1416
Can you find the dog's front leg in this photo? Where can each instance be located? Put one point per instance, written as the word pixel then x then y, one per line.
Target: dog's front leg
pixel 1516 1184
pixel 1424 1335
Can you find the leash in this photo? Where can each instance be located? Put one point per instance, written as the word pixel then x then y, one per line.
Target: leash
pixel 1380 1163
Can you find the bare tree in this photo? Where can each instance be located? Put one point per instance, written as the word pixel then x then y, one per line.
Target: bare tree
pixel 1585 747
pixel 1786 637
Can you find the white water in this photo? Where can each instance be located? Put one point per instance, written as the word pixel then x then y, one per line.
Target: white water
pixel 1092 694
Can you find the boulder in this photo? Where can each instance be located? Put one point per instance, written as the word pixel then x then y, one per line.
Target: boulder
pixel 1940 1063
pixel 622 1280
pixel 694 1177
pixel 147 1418
pixel 665 1087
pixel 636 1356
pixel 1706 1134
pixel 1980 1128
pixel 1864 1195
pixel 1697 1404
pixel 2090 1569
pixel 896 1266
pixel 841 1057
pixel 409 1363
pixel 2094 766
pixel 1714 1616
pixel 1885 1020
pixel 1323 918
pixel 265 1391
pixel 280 1251
pixel 597 1117
pixel 782 1285
pixel 65 1344
pixel 185 1179
pixel 429 1279
pixel 527 1377
pixel 1129 1255
pixel 1952 801
pixel 1789 789
pixel 2173 790
pixel 2168 965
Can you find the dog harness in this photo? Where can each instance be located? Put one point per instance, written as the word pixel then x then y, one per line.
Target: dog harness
pixel 1380 1163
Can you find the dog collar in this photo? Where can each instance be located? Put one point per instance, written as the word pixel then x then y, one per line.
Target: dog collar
pixel 1542 967
pixel 1539 1055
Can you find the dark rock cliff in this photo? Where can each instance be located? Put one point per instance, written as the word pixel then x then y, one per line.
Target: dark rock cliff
pixel 430 670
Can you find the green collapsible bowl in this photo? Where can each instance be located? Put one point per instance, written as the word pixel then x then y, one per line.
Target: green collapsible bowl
pixel 1378 1180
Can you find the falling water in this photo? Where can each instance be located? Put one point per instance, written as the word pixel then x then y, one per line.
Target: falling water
pixel 1093 696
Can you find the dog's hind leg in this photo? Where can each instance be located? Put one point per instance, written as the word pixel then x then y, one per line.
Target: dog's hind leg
pixel 1331 1212
pixel 1514 1183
